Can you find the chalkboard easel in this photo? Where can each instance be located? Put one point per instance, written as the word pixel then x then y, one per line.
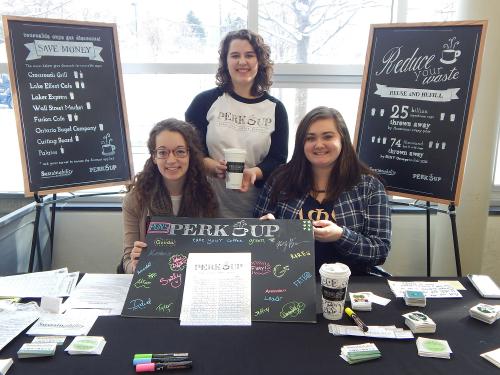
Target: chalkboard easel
pixel 69 106
pixel 416 107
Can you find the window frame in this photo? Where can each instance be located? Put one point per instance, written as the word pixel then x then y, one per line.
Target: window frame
pixel 285 76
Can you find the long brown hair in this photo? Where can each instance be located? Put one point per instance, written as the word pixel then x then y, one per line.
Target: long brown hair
pixel 295 178
pixel 198 198
pixel 262 81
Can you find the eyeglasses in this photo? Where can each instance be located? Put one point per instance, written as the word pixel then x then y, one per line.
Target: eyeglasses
pixel 163 153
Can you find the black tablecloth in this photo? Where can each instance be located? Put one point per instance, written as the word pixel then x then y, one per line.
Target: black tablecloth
pixel 284 348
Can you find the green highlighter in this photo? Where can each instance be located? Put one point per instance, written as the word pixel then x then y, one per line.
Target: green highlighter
pixel 149 355
pixel 160 358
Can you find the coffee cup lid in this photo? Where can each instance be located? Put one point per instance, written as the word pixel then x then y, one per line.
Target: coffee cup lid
pixel 334 270
pixel 235 151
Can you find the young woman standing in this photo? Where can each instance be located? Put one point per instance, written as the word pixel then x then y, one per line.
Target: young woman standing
pixel 240 113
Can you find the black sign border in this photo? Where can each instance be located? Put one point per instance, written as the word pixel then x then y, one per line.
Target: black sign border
pixel 28 191
pixel 457 178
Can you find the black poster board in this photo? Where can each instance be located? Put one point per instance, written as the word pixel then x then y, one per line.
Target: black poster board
pixel 69 104
pixel 416 106
pixel 283 280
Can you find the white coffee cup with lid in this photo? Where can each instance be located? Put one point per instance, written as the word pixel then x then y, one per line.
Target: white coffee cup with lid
pixel 334 280
pixel 235 162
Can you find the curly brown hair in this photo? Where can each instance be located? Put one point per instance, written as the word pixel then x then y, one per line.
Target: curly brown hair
pixel 262 81
pixel 198 198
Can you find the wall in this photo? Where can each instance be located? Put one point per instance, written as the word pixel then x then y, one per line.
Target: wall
pixel 88 241
pixel 11 202
pixel 92 242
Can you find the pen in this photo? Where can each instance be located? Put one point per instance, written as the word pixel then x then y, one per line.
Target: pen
pixel 161 359
pixel 149 367
pixel 149 355
pixel 356 319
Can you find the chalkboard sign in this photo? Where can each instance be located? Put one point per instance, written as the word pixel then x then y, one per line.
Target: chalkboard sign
pixel 69 104
pixel 283 280
pixel 416 106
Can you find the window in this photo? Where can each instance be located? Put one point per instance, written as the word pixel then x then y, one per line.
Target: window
pixel 169 54
pixel 154 97
pixel 149 30
pixel 168 51
pixel 12 180
pixel 320 32
pixel 345 100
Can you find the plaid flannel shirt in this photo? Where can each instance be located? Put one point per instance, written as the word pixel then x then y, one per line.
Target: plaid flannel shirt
pixel 363 212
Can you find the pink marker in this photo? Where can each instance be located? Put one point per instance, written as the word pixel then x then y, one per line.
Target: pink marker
pixel 150 367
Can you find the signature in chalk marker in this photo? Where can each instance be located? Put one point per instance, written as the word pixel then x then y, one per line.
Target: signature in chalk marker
pixel 158 252
pixel 163 307
pixel 279 270
pixel 261 311
pixel 142 283
pixel 303 278
pixel 177 262
pixel 174 280
pixel 144 268
pixel 260 267
pixel 292 309
pixel 288 244
pixel 139 304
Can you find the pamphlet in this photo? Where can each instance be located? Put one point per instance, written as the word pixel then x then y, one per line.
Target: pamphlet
pixel 217 289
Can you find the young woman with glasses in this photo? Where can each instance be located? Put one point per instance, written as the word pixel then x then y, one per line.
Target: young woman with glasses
pixel 172 183
pixel 240 113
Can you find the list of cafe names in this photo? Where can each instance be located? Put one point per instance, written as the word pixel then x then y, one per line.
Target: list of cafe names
pixel 70 105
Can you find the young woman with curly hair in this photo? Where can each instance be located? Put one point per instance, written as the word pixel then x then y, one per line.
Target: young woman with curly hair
pixel 240 113
pixel 172 183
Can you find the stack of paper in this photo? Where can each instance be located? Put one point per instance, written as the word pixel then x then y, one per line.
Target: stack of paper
pixel 431 289
pixel 13 322
pixel 86 345
pixel 58 340
pixel 112 291
pixel 56 283
pixel 388 332
pixel 359 353
pixel 30 350
pixel 485 313
pixel 414 298
pixel 419 322
pixel 216 296
pixel 360 301
pixel 433 348
pixel 74 323
pixel 493 357
pixel 485 286
pixel 5 365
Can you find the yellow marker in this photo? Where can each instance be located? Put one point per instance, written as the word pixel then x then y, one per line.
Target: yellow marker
pixel 356 319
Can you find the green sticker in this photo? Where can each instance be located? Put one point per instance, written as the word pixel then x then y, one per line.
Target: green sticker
pixel 85 345
pixel 434 346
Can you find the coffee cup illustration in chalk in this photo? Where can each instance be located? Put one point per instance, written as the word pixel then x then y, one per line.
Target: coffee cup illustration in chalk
pixel 450 51
pixel 108 149
pixel 239 228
